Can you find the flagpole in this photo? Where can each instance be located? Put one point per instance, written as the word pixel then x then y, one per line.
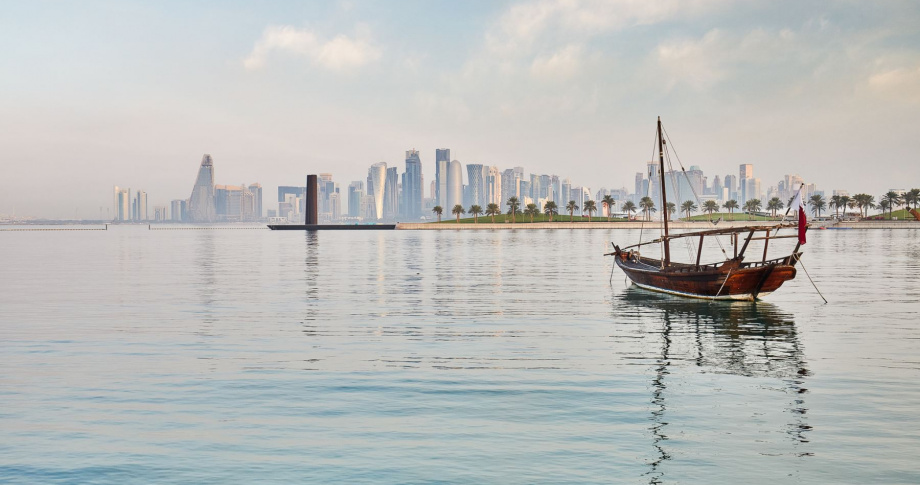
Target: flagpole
pixel 790 207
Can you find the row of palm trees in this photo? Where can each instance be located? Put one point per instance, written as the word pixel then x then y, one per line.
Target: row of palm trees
pixel 514 208
pixel 818 204
pixel 887 202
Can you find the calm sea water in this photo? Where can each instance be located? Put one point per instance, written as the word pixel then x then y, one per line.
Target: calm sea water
pixel 253 356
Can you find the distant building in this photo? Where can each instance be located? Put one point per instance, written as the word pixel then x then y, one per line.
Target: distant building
pixel 140 206
pixel 178 212
pixel 511 187
pixel 412 187
pixel 442 170
pixel 201 203
pixel 377 174
pixel 454 185
pixel 122 204
pixel 476 176
pixel 256 191
pixel 493 187
pixel 391 194
pixel 745 174
pixel 355 199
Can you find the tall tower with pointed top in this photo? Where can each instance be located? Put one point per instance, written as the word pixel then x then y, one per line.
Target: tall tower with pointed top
pixel 201 204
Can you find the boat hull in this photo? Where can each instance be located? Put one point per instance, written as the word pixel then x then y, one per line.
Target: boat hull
pixel 729 281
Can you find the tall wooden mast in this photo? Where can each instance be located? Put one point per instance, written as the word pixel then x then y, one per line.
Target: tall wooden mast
pixel 664 199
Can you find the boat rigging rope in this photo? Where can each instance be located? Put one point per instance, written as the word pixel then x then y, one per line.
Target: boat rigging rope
pixel 695 195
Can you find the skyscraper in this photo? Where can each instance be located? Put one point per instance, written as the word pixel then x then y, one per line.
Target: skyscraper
pixel 442 167
pixel 745 173
pixel 256 190
pixel 412 188
pixel 201 203
pixel 494 187
pixel 391 194
pixel 476 176
pixel 454 185
pixel 141 202
pixel 377 175
pixel 355 198
pixel 122 204
pixel 509 187
pixel 178 210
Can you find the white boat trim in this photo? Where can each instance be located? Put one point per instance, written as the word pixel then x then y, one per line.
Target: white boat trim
pixel 740 297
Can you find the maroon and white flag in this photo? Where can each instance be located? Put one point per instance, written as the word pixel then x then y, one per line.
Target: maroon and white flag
pixel 799 205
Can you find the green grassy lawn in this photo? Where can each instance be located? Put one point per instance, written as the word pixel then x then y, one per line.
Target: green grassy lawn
pixel 522 219
pixel 901 215
pixel 737 216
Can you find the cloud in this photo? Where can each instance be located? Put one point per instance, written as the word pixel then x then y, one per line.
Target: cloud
pixel 562 64
pixel 337 54
pixel 719 56
pixel 524 25
pixel 901 83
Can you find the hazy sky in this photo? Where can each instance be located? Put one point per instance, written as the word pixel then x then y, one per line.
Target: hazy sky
pixel 101 93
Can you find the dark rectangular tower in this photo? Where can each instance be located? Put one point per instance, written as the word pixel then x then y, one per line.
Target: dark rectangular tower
pixel 312 211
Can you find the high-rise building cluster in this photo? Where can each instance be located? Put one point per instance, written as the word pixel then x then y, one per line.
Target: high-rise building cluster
pixel 207 203
pixel 390 195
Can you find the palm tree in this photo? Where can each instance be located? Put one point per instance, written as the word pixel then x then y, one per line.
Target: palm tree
pixel 531 210
pixel 590 207
pixel 672 208
pixel 912 196
pixel 845 202
pixel 629 207
pixel 774 205
pixel 688 206
pixel 864 202
pixel 893 198
pixel 571 207
pixel 438 210
pixel 817 203
pixel 752 206
pixel 852 204
pixel 608 203
pixel 493 210
pixel 514 206
pixel 731 205
pixel 884 204
pixel 648 206
pixel 710 206
pixel 475 210
pixel 550 208
pixel 458 209
pixel 835 203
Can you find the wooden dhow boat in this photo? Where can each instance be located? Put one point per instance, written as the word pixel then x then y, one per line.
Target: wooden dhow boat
pixel 732 279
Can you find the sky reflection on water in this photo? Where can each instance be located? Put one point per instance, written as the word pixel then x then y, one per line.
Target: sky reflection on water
pixel 417 357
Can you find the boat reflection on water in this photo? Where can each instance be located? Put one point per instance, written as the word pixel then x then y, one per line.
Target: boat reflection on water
pixel 750 339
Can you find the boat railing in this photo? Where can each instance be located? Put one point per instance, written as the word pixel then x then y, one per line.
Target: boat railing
pixel 788 260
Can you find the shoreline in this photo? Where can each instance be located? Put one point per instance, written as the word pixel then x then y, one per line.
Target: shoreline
pixel 482 226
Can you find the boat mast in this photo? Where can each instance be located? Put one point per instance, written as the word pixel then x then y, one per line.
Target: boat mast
pixel 664 200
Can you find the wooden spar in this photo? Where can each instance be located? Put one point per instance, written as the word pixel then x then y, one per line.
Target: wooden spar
pixel 746 241
pixel 735 243
pixel 664 200
pixel 699 252
pixel 712 232
pixel 766 242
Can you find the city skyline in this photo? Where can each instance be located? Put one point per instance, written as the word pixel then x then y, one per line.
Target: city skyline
pixel 384 197
pixel 131 96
